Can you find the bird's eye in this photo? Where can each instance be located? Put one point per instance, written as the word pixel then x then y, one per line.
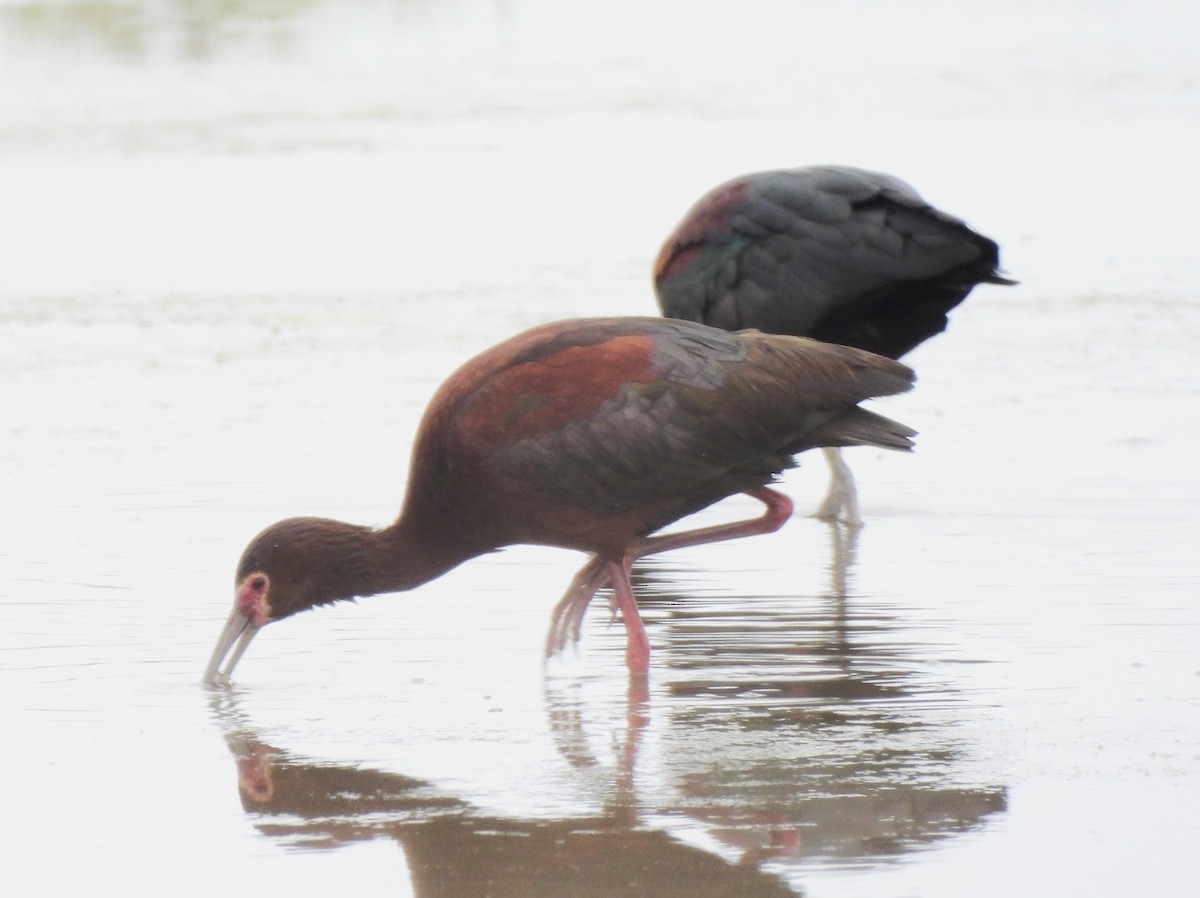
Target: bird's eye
pixel 258 583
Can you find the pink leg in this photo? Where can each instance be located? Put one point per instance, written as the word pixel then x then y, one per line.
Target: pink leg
pixel 637 644
pixel 779 509
pixel 567 617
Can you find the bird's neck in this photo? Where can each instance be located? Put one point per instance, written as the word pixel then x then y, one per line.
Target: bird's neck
pixel 414 555
pixel 361 561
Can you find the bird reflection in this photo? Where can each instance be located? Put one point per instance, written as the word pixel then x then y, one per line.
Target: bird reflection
pixel 790 728
pixel 843 554
pixel 777 731
pixel 453 850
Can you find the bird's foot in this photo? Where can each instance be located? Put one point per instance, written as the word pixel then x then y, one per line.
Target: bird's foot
pixel 834 513
pixel 566 621
pixel 840 505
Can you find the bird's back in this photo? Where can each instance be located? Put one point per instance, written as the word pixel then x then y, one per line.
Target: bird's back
pixel 589 432
pixel 836 253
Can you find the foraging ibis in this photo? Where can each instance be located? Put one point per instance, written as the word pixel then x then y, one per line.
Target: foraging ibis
pixel 591 434
pixel 839 254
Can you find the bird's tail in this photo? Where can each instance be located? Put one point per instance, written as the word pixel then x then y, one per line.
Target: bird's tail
pixel 995 277
pixel 859 427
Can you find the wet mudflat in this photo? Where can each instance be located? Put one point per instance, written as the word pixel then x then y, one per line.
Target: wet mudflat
pixel 243 245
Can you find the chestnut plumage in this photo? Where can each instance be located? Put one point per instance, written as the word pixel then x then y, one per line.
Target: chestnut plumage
pixel 591 434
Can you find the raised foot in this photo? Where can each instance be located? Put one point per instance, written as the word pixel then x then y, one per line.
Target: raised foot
pixel 566 620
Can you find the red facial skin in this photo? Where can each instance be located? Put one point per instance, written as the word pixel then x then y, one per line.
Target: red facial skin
pixel 251 599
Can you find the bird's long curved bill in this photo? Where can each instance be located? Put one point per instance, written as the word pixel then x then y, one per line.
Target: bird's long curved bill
pixel 236 635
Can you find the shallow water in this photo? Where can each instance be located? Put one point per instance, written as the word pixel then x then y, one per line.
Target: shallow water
pixel 244 242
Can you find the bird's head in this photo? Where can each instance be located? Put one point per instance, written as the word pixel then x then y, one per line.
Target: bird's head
pixel 290 567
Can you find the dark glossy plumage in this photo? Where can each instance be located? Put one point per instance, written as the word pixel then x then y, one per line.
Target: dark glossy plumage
pixel 589 434
pixel 838 254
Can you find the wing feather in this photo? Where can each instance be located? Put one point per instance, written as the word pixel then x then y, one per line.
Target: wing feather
pixel 713 413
